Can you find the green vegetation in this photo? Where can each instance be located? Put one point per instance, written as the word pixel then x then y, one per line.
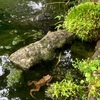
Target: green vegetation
pixel 87 68
pixel 14 77
pixel 66 89
pixel 84 20
pixel 63 90
pixel 88 86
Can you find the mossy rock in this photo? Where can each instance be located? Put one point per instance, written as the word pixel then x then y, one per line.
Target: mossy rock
pixel 84 21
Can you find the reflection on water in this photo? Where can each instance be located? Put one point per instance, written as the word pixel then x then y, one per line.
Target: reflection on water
pixel 3 60
pixel 1 71
pixel 34 5
pixel 3 98
pixel 2 92
pixel 66 58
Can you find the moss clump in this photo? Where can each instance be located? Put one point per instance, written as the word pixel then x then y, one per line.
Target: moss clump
pixel 84 20
pixel 90 69
pixel 63 90
pixel 14 77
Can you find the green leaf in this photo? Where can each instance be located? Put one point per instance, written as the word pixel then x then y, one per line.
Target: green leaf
pixel 93 68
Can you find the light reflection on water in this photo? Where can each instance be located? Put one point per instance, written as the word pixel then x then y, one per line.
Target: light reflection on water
pixel 34 5
pixel 1 71
pixel 2 62
pixel 3 92
pixel 3 98
pixel 16 98
pixel 66 58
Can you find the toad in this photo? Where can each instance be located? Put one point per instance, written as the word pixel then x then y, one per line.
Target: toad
pixel 43 81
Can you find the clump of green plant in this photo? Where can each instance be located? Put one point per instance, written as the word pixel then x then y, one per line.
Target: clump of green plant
pixel 14 77
pixel 65 89
pixel 84 20
pixel 91 70
pixel 59 24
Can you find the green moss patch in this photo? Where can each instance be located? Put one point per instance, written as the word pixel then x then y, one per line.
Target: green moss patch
pixel 84 21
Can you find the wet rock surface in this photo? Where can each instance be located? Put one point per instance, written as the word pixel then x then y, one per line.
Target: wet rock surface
pixel 40 50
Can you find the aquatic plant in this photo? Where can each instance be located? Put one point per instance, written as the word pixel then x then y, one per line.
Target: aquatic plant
pixel 84 21
pixel 15 77
pixel 15 74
